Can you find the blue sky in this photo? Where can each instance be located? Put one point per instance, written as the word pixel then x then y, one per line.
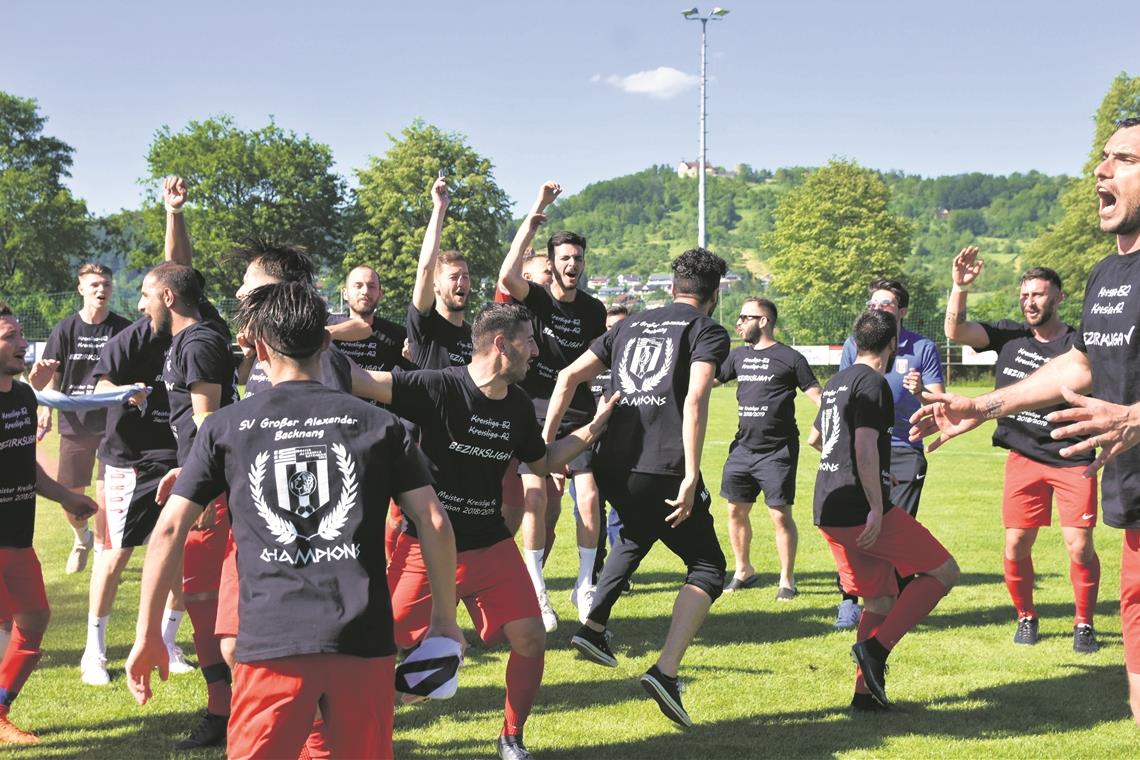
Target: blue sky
pixel 577 91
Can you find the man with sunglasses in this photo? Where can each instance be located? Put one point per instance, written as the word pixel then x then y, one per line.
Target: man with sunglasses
pixel 917 367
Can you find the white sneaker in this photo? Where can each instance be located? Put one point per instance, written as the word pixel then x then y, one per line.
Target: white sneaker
pixel 77 559
pixel 549 619
pixel 93 670
pixel 848 615
pixel 584 601
pixel 178 664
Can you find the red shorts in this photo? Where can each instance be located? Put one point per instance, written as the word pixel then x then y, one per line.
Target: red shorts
pixel 21 583
pixel 1031 487
pixel 228 593
pixel 274 702
pixel 492 582
pixel 904 544
pixel 203 553
pixel 1130 599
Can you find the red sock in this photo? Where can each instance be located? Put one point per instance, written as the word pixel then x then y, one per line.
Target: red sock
pixel 524 676
pixel 1086 583
pixel 920 597
pixel 20 659
pixel 204 615
pixel 868 622
pixel 1019 581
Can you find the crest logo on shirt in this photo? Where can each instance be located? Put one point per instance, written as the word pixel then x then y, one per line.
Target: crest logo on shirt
pixel 645 363
pixel 301 482
pixel 829 427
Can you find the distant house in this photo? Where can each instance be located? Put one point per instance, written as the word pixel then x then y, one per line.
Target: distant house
pixel 629 279
pixel 690 169
pixel 942 213
pixel 659 281
pixel 598 281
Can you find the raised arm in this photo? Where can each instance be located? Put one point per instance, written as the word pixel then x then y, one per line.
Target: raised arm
pixel 177 244
pixel 510 273
pixel 422 295
pixel 965 270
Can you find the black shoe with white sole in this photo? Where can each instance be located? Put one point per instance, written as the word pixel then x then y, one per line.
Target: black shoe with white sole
pixel 666 692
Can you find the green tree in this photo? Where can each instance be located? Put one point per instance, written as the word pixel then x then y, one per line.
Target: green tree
pixel 833 234
pixel 1075 244
pixel 394 206
pixel 264 184
pixel 43 229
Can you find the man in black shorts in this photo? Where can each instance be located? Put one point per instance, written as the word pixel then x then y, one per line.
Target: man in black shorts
pixel 871 538
pixel 566 320
pixel 765 453
pixel 75 345
pixel 664 362
pixel 307 490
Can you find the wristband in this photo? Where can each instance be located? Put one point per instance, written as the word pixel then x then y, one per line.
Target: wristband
pixel 172 209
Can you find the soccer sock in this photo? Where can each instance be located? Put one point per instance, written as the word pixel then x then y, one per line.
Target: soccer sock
pixel 203 615
pixel 921 596
pixel 171 619
pixel 1019 581
pixel 533 559
pixel 20 659
pixel 1086 583
pixel 524 676
pixel 868 622
pixel 585 566
pixel 80 533
pixel 97 635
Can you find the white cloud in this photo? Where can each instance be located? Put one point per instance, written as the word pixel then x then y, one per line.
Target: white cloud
pixel 661 82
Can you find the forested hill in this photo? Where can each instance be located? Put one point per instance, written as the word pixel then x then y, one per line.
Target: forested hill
pixel 637 223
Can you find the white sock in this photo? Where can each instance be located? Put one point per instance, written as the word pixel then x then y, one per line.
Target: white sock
pixel 533 560
pixel 586 557
pixel 171 619
pixel 97 635
pixel 80 534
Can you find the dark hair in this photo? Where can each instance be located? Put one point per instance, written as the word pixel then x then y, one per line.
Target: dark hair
pixel 697 272
pixel 874 330
pixel 5 310
pixel 289 316
pixel 562 238
pixel 183 281
pixel 1043 273
pixel 98 269
pixel 449 257
pixel 896 287
pixel 498 319
pixel 765 305
pixel 1128 121
pixel 287 262
pixel 617 309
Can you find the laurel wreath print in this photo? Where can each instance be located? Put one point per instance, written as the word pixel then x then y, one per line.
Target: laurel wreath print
pixel 331 524
pixel 282 529
pixel 629 385
pixel 830 423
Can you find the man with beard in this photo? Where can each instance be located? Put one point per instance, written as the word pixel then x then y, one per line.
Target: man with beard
pixel 75 344
pixel 381 350
pixel 473 419
pixel 566 320
pixel 23 599
pixel 765 453
pixel 1104 359
pixel 1035 471
pixel 438 335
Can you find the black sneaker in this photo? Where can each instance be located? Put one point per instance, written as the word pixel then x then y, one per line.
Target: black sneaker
pixel 874 672
pixel 210 731
pixel 865 703
pixel 666 692
pixel 1026 631
pixel 785 594
pixel 594 646
pixel 511 747
pixel 1084 639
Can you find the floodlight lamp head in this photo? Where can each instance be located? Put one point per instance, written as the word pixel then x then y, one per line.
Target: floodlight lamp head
pixel 690 14
pixel 718 12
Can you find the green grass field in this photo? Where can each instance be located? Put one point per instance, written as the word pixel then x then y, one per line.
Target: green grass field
pixel 763 679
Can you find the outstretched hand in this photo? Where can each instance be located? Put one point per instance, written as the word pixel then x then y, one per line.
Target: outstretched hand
pixel 967 266
pixel 947 414
pixel 146 657
pixel 1114 428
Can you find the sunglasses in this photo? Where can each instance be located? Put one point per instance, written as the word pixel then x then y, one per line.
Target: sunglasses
pixel 881 302
pixel 747 317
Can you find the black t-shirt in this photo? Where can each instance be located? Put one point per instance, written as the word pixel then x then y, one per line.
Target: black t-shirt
pixel 470 439
pixel 336 372
pixel 77 346
pixel 1019 355
pixel 650 354
pixel 855 397
pixel 600 383
pixel 380 352
pixel 766 382
pixel 563 331
pixel 309 471
pixel 198 354
pixel 434 342
pixel 134 438
pixel 1108 335
pixel 18 468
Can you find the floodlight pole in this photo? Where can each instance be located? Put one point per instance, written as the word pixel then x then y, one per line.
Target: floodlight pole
pixel 693 15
